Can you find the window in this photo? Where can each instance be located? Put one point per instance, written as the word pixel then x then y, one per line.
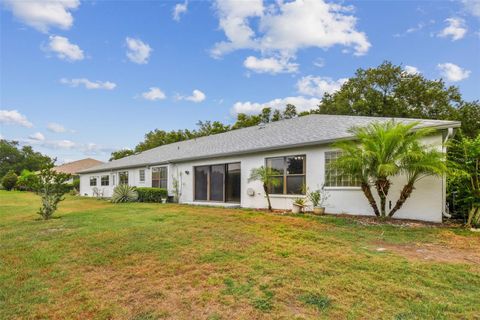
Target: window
pixel 332 177
pixel 220 182
pixel 142 175
pixel 104 181
pixel 159 177
pixel 93 181
pixel 123 177
pixel 290 174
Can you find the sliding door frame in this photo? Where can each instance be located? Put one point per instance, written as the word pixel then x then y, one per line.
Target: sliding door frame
pixel 224 187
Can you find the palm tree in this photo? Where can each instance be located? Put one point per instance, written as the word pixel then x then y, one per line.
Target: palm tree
pixel 265 175
pixel 383 150
pixel 417 164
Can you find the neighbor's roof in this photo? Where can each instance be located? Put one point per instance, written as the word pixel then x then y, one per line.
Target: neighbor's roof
pixel 79 165
pixel 301 131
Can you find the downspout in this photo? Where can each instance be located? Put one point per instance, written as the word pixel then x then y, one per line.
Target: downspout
pixel 449 134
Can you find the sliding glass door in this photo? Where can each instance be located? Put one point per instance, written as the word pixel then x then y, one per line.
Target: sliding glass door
pixel 219 183
pixel 232 183
pixel 201 183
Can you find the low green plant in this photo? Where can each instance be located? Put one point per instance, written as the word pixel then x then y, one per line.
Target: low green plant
pixel 151 194
pixel 301 202
pixel 9 180
pixel 76 184
pixel 314 198
pixel 320 302
pixel 318 197
pixel 124 193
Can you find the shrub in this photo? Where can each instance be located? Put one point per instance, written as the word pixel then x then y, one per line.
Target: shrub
pixel 9 180
pixel 76 184
pixel 26 181
pixel 151 194
pixel 124 193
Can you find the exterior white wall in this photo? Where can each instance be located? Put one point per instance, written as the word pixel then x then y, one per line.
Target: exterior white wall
pixel 426 202
pixel 133 180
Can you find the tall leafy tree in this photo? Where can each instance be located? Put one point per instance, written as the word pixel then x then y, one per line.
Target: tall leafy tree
pixel 115 155
pixel 389 91
pixel 16 158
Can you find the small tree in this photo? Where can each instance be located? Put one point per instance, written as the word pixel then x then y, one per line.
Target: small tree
pixel 9 180
pixel 50 186
pixel 464 177
pixel 265 176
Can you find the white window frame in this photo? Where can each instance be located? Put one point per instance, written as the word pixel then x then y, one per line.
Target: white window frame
pixel 90 181
pixel 340 180
pixel 141 173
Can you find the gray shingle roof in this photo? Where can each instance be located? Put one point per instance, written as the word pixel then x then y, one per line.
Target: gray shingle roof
pixel 301 131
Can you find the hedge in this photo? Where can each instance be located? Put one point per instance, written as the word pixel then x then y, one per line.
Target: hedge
pixel 151 194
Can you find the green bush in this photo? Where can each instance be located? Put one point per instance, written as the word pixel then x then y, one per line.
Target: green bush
pixel 151 194
pixel 124 193
pixel 26 181
pixel 76 184
pixel 9 180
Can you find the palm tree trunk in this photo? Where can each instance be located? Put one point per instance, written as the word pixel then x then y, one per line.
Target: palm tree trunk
pixel 404 195
pixel 265 188
pixel 368 193
pixel 382 185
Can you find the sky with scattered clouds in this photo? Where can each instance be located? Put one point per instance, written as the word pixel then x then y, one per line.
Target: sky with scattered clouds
pixel 82 78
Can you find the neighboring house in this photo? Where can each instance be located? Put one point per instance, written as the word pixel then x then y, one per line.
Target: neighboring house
pixel 76 166
pixel 214 170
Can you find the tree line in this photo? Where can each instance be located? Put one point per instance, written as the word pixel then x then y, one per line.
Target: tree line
pixel 385 91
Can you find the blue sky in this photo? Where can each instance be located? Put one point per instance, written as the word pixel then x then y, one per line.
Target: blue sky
pixel 84 78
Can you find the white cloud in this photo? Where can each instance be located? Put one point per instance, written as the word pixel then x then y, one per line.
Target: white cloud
pixel 37 136
pixel 106 85
pixel 14 117
pixel 65 49
pixel 301 103
pixel 179 9
pixel 270 65
pixel 283 28
pixel 43 14
pixel 197 96
pixel 452 72
pixel 154 94
pixel 318 86
pixel 411 70
pixel 455 29
pixel 56 127
pixel 138 51
pixel 472 7
pixel 59 144
pixel 319 62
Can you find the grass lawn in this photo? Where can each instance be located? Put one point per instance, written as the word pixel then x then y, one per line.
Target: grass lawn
pixel 98 260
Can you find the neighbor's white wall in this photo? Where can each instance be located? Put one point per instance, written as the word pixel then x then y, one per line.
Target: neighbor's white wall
pixel 425 203
pixel 133 180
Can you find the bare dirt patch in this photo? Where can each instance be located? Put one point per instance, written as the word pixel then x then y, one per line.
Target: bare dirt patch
pixel 432 252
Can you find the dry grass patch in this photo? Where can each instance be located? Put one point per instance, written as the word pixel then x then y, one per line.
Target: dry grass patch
pixel 140 261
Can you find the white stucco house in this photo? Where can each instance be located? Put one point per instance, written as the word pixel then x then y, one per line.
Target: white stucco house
pixel 214 170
